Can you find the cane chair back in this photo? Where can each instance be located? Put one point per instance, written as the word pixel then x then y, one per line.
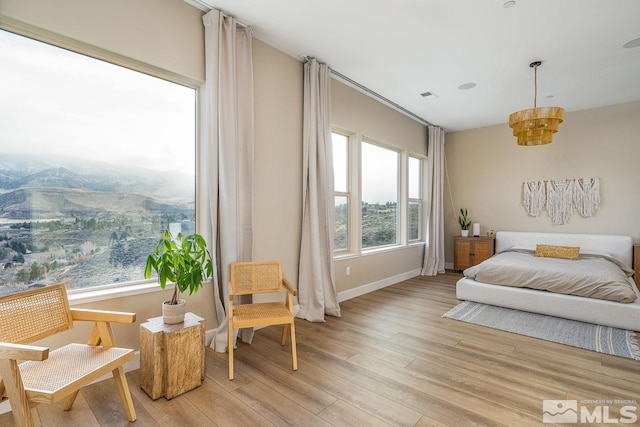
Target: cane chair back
pixel 28 316
pixel 256 277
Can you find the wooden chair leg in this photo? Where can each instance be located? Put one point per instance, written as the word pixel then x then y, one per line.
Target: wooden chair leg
pixel 70 400
pixel 14 388
pixel 124 392
pixel 230 348
pixel 294 352
pixel 283 341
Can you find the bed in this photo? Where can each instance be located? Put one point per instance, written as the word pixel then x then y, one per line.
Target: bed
pixel 598 311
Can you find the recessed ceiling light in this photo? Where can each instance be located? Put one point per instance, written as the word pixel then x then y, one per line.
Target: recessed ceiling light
pixel 632 43
pixel 508 4
pixel 467 86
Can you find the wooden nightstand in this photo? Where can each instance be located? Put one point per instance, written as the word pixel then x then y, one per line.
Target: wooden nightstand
pixel 636 263
pixel 469 251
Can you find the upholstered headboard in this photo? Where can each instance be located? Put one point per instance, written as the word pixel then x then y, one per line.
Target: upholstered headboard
pixel 620 247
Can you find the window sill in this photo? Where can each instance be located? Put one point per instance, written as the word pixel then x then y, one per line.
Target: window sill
pixel 375 251
pixel 87 295
pixel 413 244
pixel 345 256
pixel 383 249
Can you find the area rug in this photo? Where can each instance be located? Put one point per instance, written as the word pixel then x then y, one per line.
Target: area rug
pixel 603 339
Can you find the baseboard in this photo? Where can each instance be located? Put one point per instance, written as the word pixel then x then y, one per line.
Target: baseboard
pixel 374 286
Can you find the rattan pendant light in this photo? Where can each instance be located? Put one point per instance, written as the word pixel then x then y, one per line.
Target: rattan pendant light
pixel 536 126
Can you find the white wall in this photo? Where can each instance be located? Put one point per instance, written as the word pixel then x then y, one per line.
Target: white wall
pixel 278 157
pixel 164 33
pixel 487 168
pixel 278 165
pixel 358 113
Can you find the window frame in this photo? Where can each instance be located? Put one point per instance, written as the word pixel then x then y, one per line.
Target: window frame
pixel 419 201
pixel 355 199
pixel 118 290
pixel 347 194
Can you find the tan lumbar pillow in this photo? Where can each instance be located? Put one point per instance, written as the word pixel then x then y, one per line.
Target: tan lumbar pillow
pixel 564 252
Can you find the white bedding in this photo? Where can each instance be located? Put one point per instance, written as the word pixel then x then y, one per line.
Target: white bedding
pixel 602 312
pixel 592 276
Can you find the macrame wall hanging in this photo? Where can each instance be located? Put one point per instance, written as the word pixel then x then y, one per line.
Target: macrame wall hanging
pixel 561 196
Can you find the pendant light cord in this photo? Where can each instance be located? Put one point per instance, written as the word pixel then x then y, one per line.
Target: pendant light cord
pixel 535 84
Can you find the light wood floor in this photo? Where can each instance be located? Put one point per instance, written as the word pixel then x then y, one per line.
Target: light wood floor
pixel 391 359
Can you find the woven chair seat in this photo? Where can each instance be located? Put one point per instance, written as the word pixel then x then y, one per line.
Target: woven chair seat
pixel 267 313
pixel 45 381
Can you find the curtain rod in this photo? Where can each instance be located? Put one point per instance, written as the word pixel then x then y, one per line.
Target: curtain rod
pixel 380 97
pixel 205 7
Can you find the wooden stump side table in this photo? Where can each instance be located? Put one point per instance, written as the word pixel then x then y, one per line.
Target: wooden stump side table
pixel 171 356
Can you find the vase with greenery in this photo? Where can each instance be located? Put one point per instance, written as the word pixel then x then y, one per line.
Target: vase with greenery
pixel 464 221
pixel 183 261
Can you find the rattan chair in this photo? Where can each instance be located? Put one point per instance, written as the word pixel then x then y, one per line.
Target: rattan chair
pixel 258 278
pixel 47 377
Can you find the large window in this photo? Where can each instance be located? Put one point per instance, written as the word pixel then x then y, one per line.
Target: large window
pixel 379 181
pixel 378 195
pixel 96 160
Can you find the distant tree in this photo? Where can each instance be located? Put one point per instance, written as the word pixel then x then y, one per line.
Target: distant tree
pixel 18 258
pixel 23 276
pixel 37 272
pixel 18 246
pixel 117 253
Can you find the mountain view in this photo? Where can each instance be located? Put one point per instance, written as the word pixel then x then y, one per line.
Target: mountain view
pixel 84 223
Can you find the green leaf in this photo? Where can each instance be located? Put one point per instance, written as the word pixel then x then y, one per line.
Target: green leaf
pixel 184 261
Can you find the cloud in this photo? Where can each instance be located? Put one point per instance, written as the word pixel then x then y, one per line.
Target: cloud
pixel 56 101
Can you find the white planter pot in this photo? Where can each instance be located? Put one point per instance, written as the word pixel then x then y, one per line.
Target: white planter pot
pixel 464 233
pixel 173 313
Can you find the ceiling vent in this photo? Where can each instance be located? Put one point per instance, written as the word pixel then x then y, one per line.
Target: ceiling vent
pixel 428 95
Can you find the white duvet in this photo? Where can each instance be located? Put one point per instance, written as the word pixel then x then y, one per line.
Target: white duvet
pixel 593 276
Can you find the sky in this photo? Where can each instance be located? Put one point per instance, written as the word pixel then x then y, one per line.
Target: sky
pixel 53 101
pixel 379 177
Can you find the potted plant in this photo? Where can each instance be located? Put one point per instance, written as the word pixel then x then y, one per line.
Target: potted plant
pixel 465 222
pixel 186 263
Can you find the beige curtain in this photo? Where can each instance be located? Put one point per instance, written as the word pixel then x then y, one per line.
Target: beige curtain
pixel 434 253
pixel 228 153
pixel 316 283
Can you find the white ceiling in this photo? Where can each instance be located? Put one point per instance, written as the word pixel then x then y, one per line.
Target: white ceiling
pixel 403 48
